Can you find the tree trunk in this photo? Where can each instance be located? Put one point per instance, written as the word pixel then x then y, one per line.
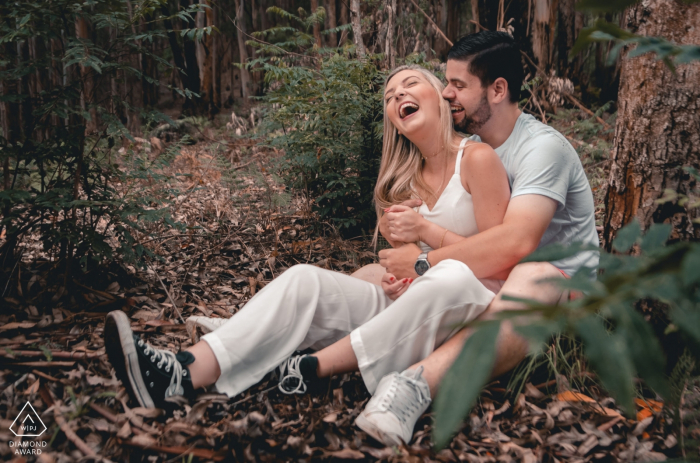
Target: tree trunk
pixel 389 48
pixel 658 126
pixel 357 27
pixel 317 26
pixel 190 51
pixel 331 23
pixel 344 19
pixel 543 30
pixel 207 65
pixel 243 53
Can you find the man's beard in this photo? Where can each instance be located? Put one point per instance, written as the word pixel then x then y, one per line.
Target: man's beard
pixel 474 121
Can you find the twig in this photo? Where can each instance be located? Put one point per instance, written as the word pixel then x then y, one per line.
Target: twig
pixel 449 42
pixel 537 103
pixel 254 395
pixel 605 426
pixel 241 166
pixel 73 437
pixel 179 314
pixel 45 376
pixel 597 164
pixel 205 454
pixel 580 106
pixel 104 412
pixel 43 364
pixel 54 353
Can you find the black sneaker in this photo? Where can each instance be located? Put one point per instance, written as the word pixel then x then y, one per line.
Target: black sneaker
pixel 150 375
pixel 298 374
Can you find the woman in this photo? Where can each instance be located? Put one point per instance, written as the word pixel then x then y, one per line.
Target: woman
pixel 352 324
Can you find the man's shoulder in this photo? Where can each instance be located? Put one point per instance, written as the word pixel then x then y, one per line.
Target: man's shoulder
pixel 537 137
pixel 533 130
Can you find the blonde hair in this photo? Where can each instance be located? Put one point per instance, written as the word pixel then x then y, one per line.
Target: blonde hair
pixel 400 172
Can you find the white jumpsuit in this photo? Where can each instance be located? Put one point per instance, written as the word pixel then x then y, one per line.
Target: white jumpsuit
pixel 310 307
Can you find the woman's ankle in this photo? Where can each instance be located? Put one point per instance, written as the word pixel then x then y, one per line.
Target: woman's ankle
pixel 205 369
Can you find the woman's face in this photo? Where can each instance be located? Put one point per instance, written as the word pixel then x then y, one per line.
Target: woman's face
pixel 412 105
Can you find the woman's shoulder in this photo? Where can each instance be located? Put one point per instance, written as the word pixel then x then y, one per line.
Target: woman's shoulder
pixel 478 156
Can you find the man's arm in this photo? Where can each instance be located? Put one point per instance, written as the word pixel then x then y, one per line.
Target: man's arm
pixel 491 251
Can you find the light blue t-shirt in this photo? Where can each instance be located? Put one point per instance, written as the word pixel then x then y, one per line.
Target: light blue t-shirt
pixel 539 160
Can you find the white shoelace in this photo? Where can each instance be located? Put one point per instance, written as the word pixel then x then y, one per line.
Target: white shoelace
pixel 400 399
pixel 291 366
pixel 170 361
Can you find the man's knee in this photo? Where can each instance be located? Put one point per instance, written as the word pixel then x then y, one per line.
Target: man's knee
pixel 534 272
pixel 532 280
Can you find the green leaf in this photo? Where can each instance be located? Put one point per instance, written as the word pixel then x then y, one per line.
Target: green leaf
pixel 627 236
pixel 686 316
pixel 558 251
pixel 690 267
pixel 610 358
pixel 644 347
pixel 538 332
pixel 656 237
pixel 464 381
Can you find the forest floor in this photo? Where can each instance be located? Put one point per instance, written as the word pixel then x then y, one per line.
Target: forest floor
pixel 243 229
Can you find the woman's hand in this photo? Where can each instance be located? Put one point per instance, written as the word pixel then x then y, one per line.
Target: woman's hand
pixel 394 288
pixel 404 224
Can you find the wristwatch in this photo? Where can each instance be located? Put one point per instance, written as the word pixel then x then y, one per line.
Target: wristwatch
pixel 422 265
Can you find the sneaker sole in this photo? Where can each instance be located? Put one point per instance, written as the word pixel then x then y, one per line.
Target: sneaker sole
pixel 368 427
pixel 121 351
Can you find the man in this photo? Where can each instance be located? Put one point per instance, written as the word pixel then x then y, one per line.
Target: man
pixel 551 202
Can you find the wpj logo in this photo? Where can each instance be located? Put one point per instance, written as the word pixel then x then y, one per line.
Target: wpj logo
pixel 28 424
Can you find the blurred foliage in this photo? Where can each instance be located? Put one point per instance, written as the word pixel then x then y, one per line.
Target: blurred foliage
pixel 604 31
pixel 67 180
pixel 617 340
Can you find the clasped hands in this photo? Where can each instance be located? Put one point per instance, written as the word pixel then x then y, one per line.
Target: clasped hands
pixel 403 225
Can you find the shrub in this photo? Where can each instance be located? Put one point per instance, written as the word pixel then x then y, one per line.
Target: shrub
pixel 331 121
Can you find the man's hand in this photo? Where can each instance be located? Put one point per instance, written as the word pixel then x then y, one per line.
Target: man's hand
pixel 384 223
pixel 404 223
pixel 400 261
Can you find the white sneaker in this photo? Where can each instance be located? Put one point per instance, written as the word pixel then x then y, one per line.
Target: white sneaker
pixel 392 413
pixel 205 324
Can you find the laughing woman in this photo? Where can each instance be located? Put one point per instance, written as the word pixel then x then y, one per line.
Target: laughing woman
pixel 349 323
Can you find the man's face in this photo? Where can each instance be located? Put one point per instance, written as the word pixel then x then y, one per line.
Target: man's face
pixel 468 99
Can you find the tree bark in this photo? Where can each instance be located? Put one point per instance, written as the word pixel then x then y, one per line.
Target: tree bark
pixel 243 53
pixel 317 26
pixel 331 23
pixel 658 126
pixel 543 31
pixel 357 27
pixel 389 48
pixel 344 19
pixel 190 50
pixel 207 59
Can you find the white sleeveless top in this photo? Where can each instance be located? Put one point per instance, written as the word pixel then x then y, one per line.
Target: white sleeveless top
pixel 454 209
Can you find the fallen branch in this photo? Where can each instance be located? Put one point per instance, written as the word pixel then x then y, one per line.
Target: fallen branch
pixel 42 364
pixel 73 437
pixel 58 354
pixel 580 106
pixel 177 450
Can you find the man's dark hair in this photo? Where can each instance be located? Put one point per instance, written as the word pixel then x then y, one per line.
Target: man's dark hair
pixel 491 55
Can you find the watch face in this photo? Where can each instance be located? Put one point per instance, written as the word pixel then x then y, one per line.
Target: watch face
pixel 421 266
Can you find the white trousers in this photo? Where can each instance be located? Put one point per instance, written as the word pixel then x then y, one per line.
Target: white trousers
pixel 310 307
